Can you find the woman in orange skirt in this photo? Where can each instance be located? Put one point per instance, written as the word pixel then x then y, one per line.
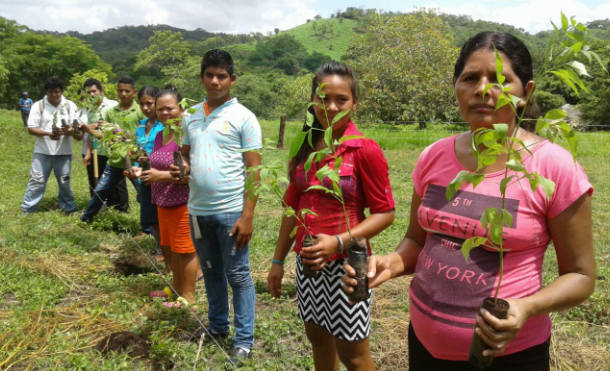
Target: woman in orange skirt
pixel 171 197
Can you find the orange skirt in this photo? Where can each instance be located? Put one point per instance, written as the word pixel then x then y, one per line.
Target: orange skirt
pixel 175 229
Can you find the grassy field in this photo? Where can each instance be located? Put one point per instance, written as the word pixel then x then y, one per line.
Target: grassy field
pixel 67 285
pixel 327 36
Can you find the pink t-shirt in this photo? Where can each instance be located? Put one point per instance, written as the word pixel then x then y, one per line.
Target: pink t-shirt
pixel 166 194
pixel 447 290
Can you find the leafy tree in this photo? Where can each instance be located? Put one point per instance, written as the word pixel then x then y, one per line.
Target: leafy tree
pixel 167 48
pixel 31 58
pixel 294 97
pixel 282 52
pixel 315 60
pixel 185 77
pixel 585 70
pixel 78 79
pixel 258 92
pixel 595 107
pixel 547 101
pixel 405 66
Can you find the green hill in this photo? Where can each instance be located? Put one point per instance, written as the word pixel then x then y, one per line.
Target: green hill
pixel 327 36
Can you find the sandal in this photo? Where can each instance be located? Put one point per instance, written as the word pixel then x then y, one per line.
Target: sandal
pixel 178 304
pixel 165 293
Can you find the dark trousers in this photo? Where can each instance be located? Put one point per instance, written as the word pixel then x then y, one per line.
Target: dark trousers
pixel 110 178
pixel 24 117
pixel 118 197
pixel 535 358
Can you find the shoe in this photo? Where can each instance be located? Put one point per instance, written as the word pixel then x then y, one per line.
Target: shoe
pixel 85 219
pixel 239 355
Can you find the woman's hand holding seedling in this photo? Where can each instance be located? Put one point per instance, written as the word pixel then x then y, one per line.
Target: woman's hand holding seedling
pixel 317 255
pixel 135 173
pixel 154 175
pixel 379 270
pixel 175 171
pixel 497 333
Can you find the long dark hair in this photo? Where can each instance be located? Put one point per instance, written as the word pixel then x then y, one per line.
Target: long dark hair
pixel 327 69
pixel 516 52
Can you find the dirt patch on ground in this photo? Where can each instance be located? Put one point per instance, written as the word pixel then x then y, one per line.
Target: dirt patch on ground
pixel 126 342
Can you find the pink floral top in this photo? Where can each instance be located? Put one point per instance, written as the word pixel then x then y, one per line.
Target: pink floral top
pixel 165 194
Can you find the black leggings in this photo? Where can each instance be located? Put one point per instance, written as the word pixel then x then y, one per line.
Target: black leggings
pixel 535 358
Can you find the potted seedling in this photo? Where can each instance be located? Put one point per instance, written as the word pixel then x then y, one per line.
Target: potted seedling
pixel 55 130
pixel 488 144
pixel 330 175
pixel 176 126
pixel 119 144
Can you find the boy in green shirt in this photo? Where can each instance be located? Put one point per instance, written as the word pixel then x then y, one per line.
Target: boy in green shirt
pixel 127 115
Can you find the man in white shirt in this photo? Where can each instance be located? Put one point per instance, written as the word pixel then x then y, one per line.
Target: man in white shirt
pixel 53 147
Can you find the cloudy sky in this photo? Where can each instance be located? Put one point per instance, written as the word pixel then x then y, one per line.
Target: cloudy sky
pixel 245 16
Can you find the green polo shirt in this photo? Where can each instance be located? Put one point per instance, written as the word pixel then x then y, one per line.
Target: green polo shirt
pixel 128 120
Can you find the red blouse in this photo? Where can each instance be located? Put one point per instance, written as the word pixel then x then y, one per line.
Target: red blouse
pixel 364 183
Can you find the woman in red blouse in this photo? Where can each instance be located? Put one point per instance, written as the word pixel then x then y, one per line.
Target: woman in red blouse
pixel 336 329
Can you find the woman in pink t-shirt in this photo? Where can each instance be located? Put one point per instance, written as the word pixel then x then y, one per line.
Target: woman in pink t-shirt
pixel 447 290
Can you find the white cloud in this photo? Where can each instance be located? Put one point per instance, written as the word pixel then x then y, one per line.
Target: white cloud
pixel 531 15
pixel 245 16
pixel 231 16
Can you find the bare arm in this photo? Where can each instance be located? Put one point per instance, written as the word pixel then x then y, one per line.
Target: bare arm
pixel 401 261
pixel 243 225
pixel 284 241
pixel 572 237
pixel 39 132
pixel 327 245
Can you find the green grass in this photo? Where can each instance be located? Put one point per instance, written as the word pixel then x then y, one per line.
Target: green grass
pixel 327 36
pixel 61 292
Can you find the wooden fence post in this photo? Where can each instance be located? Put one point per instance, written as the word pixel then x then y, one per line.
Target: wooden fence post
pixel 280 139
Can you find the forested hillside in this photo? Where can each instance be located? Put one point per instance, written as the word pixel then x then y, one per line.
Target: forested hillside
pixel 274 69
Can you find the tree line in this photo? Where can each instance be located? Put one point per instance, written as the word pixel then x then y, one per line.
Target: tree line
pixel 403 61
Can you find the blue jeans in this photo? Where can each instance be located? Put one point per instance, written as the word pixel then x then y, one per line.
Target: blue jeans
pixel 107 183
pixel 39 174
pixel 220 262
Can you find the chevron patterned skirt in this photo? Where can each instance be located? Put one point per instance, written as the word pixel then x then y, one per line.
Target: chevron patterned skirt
pixel 322 301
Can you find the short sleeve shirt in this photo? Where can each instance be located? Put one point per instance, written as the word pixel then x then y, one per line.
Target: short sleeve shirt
pixel 447 289
pixel 364 183
pixel 26 103
pixel 217 142
pixel 42 116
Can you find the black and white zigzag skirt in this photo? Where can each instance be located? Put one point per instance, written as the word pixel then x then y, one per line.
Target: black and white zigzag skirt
pixel 322 301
